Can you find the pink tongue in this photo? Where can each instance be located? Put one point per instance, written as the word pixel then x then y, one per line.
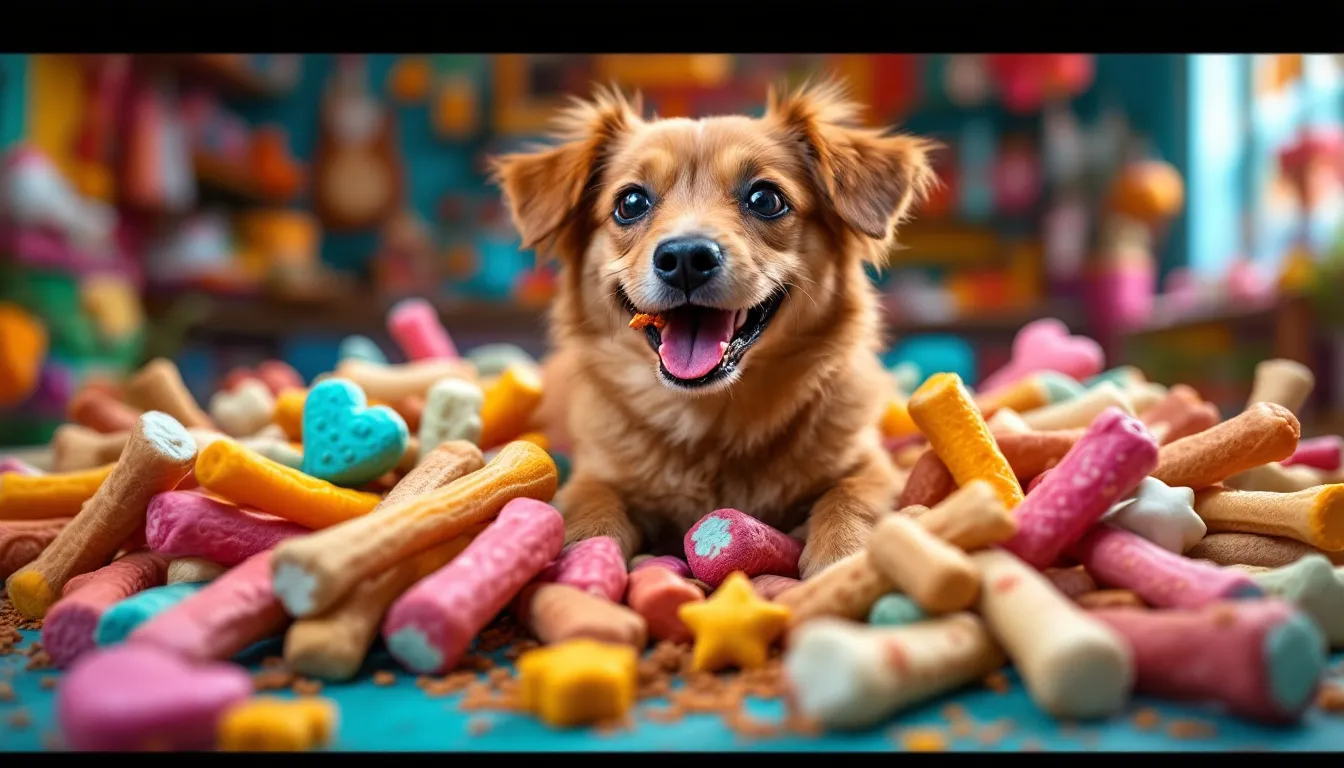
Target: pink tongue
pixel 693 341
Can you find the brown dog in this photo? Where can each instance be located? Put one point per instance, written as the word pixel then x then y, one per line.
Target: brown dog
pixel 759 387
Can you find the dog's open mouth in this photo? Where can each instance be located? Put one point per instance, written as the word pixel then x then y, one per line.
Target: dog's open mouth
pixel 697 345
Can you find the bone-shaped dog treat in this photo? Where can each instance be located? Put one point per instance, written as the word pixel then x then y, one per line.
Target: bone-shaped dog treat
pixel 244 410
pixel 769 585
pixel 1161 514
pixel 1072 666
pixel 120 619
pixel 555 613
pixel 1006 421
pixel 176 705
pixel 595 566
pixel 1311 585
pixel 193 570
pixel 101 412
pixel 312 573
pixel 429 628
pixel 895 610
pixel 158 386
pixel 1108 461
pixel 21 541
pixel 943 410
pixel 160 453
pixel 669 562
pixel 727 540
pixel 1249 549
pixel 334 644
pixel 1276 478
pixel 1080 411
pixel 414 325
pixel 1314 516
pixel 1322 453
pixel 225 617
pixel 1144 396
pixel 939 577
pixel 493 359
pixel 1259 658
pixel 1033 391
pixel 971 518
pixel 1260 434
pixel 1123 376
pixel 452 412
pixel 228 469
pixel 48 495
pixel 189 524
pixel 850 676
pixel 1028 455
pixel 509 404
pixel 1071 582
pixel 657 595
pixel 1045 345
pixel 68 631
pixel 390 383
pixel 1181 413
pixel 74 448
pixel 1115 557
pixel 360 348
pixel 1284 382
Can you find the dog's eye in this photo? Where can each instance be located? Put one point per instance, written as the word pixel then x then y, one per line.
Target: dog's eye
pixel 631 205
pixel 765 201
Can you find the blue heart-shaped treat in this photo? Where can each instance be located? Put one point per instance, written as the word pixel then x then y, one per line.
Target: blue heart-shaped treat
pixel 346 442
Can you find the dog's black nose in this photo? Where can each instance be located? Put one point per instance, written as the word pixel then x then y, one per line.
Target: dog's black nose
pixel 686 263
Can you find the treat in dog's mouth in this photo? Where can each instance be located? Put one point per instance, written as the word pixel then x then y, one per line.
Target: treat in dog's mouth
pixel 699 345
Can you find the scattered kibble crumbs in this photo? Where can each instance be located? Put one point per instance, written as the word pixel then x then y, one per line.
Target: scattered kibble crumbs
pixel 13 620
pixel 6 692
pixel 994 732
pixel 272 680
pixel 47 683
pixel 962 728
pixel 668 714
pixel 1191 729
pixel 923 740
pixel 37 659
pixel 273 662
pixel 20 719
pixel 477 726
pixel 1146 719
pixel 997 682
pixel 305 687
pixel 612 726
pixel 384 677
pixel 1331 698
pixel 748 726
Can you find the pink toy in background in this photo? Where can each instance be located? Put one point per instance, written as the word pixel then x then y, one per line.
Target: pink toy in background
pixel 1045 345
pixel 176 705
pixel 190 524
pixel 68 629
pixel 1118 558
pixel 727 540
pixel 1246 282
pixel 429 628
pixel 1120 296
pixel 595 566
pixel 1323 453
pixel 414 325
pixel 667 562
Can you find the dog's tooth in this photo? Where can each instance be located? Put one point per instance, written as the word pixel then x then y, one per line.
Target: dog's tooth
pixel 723 348
pixel 741 319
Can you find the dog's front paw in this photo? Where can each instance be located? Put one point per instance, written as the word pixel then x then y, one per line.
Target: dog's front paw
pixel 619 528
pixel 591 509
pixel 830 543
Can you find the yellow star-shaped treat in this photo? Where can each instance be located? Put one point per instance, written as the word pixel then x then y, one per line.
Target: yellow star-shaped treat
pixel 734 627
pixel 579 681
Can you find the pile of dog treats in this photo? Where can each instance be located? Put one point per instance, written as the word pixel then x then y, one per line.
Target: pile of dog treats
pixel 1106 535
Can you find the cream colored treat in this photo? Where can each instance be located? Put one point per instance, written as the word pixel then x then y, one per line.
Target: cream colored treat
pixel 1072 665
pixel 850 675
pixel 1006 421
pixel 1161 514
pixel 1314 516
pixel 846 589
pixel 205 437
pixel 279 450
pixel 74 448
pixel 1078 412
pixel 1285 382
pixel 193 570
pixel 971 518
pixel 392 383
pixel 1310 584
pixel 452 412
pixel 244 410
pixel 1276 478
pixel 1145 395
pixel 939 577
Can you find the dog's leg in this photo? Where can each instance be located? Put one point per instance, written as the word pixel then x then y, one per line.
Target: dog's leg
pixel 842 517
pixel 591 508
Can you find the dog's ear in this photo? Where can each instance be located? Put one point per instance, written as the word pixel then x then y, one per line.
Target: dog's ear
pixel 545 188
pixel 873 179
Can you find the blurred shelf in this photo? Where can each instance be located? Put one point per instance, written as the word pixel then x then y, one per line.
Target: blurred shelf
pixel 218 178
pixel 1167 317
pixel 999 323
pixel 221 72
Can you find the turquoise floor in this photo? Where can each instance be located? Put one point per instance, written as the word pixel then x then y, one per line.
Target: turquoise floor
pixel 402 717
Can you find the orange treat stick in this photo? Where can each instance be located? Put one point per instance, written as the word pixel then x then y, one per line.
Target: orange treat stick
pixel 55 494
pixel 896 421
pixel 944 412
pixel 227 469
pixel 313 572
pixel 101 412
pixel 1260 434
pixel 509 403
pixel 159 454
pixel 158 387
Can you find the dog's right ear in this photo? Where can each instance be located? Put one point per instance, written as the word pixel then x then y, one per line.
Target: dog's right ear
pixel 546 188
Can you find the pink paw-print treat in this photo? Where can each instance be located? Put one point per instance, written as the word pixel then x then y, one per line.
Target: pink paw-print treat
pixel 728 540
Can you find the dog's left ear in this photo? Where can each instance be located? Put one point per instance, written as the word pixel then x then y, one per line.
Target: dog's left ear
pixel 545 189
pixel 873 179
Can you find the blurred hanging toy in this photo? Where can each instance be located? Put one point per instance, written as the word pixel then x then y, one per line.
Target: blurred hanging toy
pixel 157 165
pixel 1026 81
pixel 278 175
pixel 113 304
pixel 410 79
pixel 357 178
pixel 22 354
pixel 283 245
pixel 404 262
pixel 1312 165
pixel 33 194
pixel 198 252
pixel 105 79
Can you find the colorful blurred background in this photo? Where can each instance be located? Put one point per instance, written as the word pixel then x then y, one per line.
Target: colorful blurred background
pixel 224 209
